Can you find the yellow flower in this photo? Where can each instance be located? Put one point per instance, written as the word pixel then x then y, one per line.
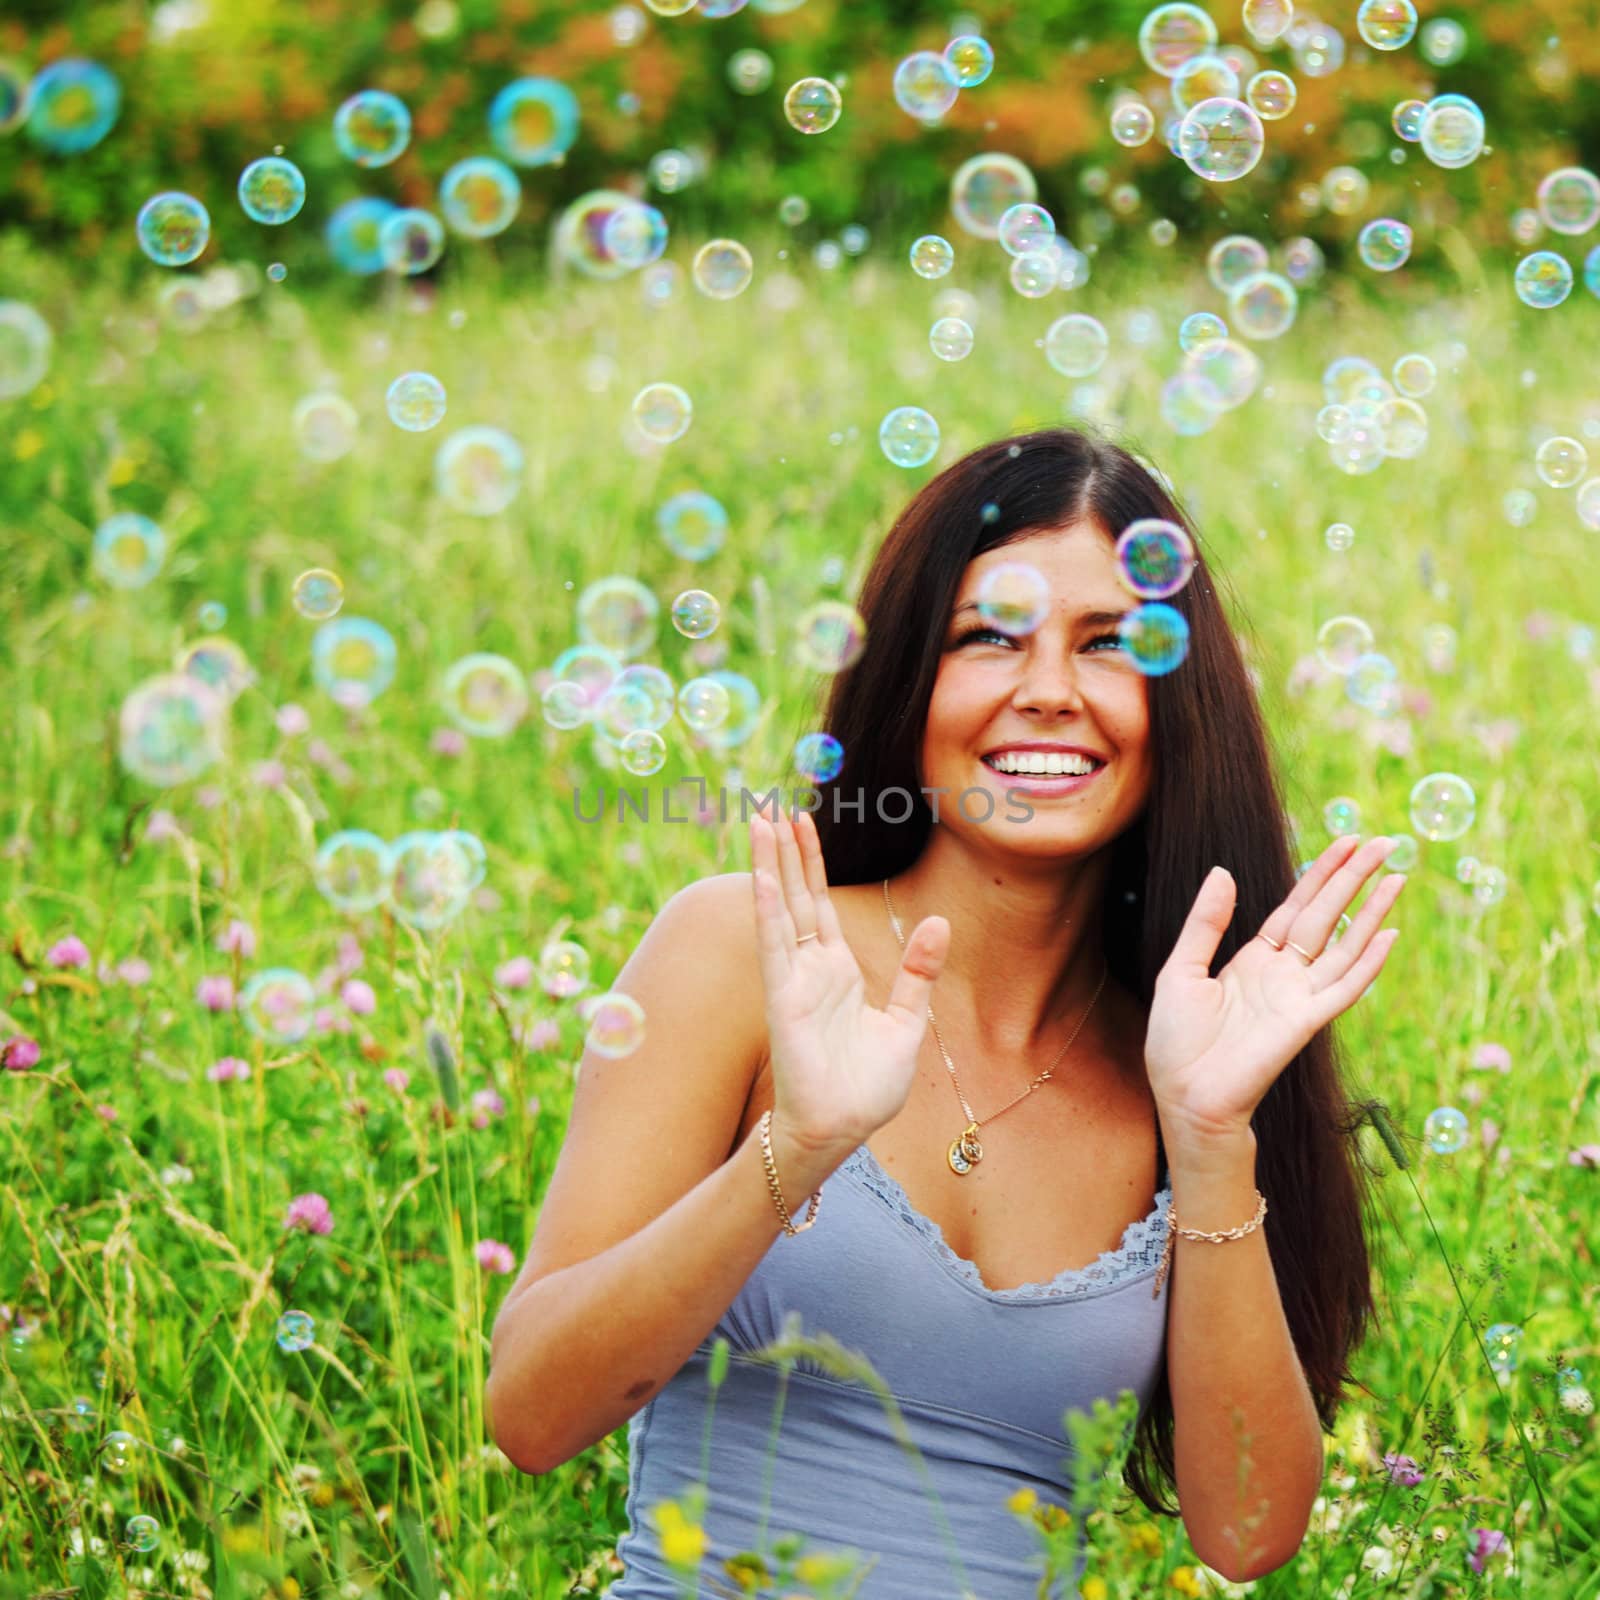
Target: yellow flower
pixel 1052 1519
pixel 1145 1538
pixel 683 1546
pixel 28 444
pixel 242 1538
pixel 822 1568
pixel 1185 1580
pixel 289 1589
pixel 1023 1500
pixel 1093 1588
pixel 321 1495
pixel 121 471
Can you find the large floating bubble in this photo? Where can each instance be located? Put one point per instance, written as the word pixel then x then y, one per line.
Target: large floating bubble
pixel 1155 557
pixel 932 256
pixel 722 269
pixel 171 729
pixel 1569 200
pixel 1076 345
pixel 1263 306
pixel 984 188
pixel 353 232
pixel 25 348
pixel 1156 637
pixel 278 1004
pixel 485 695
pixel 128 550
pixel 480 197
pixel 353 659
pixel 1443 806
pixel 971 58
pixel 812 105
pixel 663 412
pixel 1384 244
pixel 410 240
pixel 372 128
pixel 1387 24
pixel 1221 139
pixel 693 524
pixel 1543 280
pixel 478 470
pixel 173 229
pixel 533 121
pixel 353 871
pixel 1452 131
pixel 431 883
pixel 925 86
pixel 909 436
pixel 1171 35
pixel 619 615
pixel 272 190
pixel 72 105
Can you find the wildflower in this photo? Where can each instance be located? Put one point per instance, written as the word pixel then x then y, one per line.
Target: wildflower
pixel 1306 672
pixel 133 972
pixel 535 1105
pixel 1489 1132
pixel 1486 1542
pixel 292 721
pixel 1586 1155
pixel 1538 625
pixel 1185 1580
pixel 397 1078
pixel 494 1256
pixel 486 1103
pixel 358 997
pixel 162 825
pixel 230 1069
pixel 175 1174
pixel 68 952
pixel 1022 1501
pixel 632 854
pixel 237 939
pixel 215 993
pixel 1492 1058
pixel 517 973
pixel 350 957
pixel 106 1113
pixel 309 1212
pixel 541 1035
pixel 1146 1538
pixel 1093 1587
pixel 1395 736
pixel 208 797
pixel 1403 1470
pixel 327 1020
pixel 1378 1559
pixel 19 1053
pixel 683 1544
pixel 269 774
pixel 448 742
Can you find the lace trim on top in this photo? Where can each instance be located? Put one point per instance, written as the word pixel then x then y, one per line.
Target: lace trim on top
pixel 1139 1251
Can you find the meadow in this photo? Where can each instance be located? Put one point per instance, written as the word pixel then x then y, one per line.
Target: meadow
pixel 153 1221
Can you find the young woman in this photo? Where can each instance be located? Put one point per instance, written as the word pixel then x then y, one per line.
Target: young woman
pixel 1102 1167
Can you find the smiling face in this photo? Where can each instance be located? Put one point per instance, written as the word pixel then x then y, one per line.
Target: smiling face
pixel 1068 683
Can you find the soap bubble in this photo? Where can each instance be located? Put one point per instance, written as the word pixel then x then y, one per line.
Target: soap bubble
pixel 431 882
pixel 1203 77
pixel 1543 280
pixel 620 615
pixel 1385 244
pixel 1443 806
pixel 696 613
pixel 1155 557
pixel 372 128
pixel 616 1025
pixel 485 695
pixel 478 470
pixel 829 636
pixel 1569 200
pixel 278 1004
pixel 25 347
pixel 931 256
pixel 1156 637
pixel 171 729
pixel 480 197
pixel 1198 328
pixel 1561 462
pixel 1263 306
pixel 173 229
pixel 142 1532
pixel 1341 642
pixel 749 71
pixel 272 190
pixel 1452 131
pixel 1333 422
pixel 1501 1341
pixel 1445 1130
pixel 1588 504
pixel 1013 597
pixel 812 105
pixel 1034 274
pixel 353 659
pixel 353 871
pixel 1025 227
pixel 71 105
pixel 722 269
pixel 128 550
pixel 1404 426
pixel 410 240
pixel 325 426
pixel 1233 259
pixel 1170 35
pixel 1387 24
pixel 1373 684
pixel 951 339
pixel 1443 42
pixel 704 704
pixel 925 86
pixel 1189 404
pixel 1414 375
pixel 1271 94
pixel 1339 536
pixel 415 401
pixel 534 121
pixel 318 594
pixel 563 969
pixel 1266 21
pixel 1406 119
pixel 1132 123
pixel 693 524
pixel 634 235
pixel 1221 139
pixel 663 412
pixel 971 59
pixel 908 436
pixel 352 235
pixel 818 756
pixel 296 1330
pixel 1230 370
pixel 984 188
pixel 119 1452
pixel 642 752
pixel 1076 345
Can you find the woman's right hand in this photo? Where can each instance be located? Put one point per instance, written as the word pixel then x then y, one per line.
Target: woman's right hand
pixel 840 1068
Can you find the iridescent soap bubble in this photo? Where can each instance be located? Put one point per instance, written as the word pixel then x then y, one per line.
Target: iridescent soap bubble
pixel 533 121
pixel 432 877
pixel 1189 404
pixel 1024 227
pixel 1156 637
pixel 1013 597
pixel 1341 642
pixel 1232 371
pixel 1034 274
pixel 634 235
pixel 1263 306
pixel 1170 35
pixel 1271 94
pixel 581 233
pixel 352 235
pixel 663 412
pixel 1203 77
pixel 272 190
pixel 618 614
pixel 173 228
pixel 1443 806
pixel 119 1452
pixel 693 524
pixel 415 401
pixel 984 188
pixel 15 95
pixel 170 729
pixel 212 615
pixel 1406 119
pixel 1076 345
pixel 1491 886
pixel 1220 139
pixel 812 105
pixel 564 706
pixel 1345 377
pixel 932 256
pixel 1404 426
pixel 480 197
pixel 372 128
pixel 318 594
pixel 749 71
pixel 722 269
pixel 128 550
pixel 563 969
pixel 25 348
pixel 72 105
pixel 1318 49
pixel 704 704
pixel 1443 42
pixel 1302 260
pixel 1414 375
pixel 218 663
pixel 353 659
pixel 1132 123
pixel 793 209
pixel 1385 244
pixel 295 1332
pixel 908 436
pixel 1588 504
pixel 142 1532
pixel 1198 328
pixel 1333 422
pixel 1387 24
pixel 484 694
pixel 951 339
pixel 925 85
pixel 696 614
pixel 1501 1342
pixel 616 1025
pixel 819 757
pixel 1543 280
pixel 278 1004
pixel 829 636
pixel 1155 557
pixel 1569 200
pixel 1342 815
pixel 1266 21
pixel 971 59
pixel 1445 1130
pixel 1591 272
pixel 353 871
pixel 325 426
pixel 410 240
pixel 1452 131
pixel 642 752
pixel 478 470
pixel 1339 536
pixel 1233 259
pixel 1373 683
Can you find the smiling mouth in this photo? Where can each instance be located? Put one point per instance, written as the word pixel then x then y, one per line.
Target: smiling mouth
pixel 1037 774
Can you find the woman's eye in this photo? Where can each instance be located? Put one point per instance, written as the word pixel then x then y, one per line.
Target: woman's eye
pixel 995 633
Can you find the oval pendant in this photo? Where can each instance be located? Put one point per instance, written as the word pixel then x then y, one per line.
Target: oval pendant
pixel 958 1161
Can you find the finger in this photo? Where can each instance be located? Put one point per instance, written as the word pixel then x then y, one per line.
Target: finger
pixel 1317 921
pixel 919 967
pixel 797 897
pixel 1195 948
pixel 1340 958
pixel 816 873
pixel 1308 884
pixel 772 914
pixel 773 940
pixel 1339 997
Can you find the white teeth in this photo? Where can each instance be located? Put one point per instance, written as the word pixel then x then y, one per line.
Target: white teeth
pixel 1037 762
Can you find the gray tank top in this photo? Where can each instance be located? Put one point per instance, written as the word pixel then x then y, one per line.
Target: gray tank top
pixel 981 1378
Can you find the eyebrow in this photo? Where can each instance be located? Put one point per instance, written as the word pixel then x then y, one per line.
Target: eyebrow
pixel 1088 619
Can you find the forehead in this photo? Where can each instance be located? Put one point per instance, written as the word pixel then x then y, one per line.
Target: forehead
pixel 1077 561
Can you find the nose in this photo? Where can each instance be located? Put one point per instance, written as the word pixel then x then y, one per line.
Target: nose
pixel 1049 678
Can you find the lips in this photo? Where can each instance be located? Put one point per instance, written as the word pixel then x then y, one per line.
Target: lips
pixel 1046 783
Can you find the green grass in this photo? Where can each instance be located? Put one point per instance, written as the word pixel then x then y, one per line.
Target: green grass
pixel 146 1255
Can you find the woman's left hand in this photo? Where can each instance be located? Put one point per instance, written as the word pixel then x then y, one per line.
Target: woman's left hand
pixel 1214 1046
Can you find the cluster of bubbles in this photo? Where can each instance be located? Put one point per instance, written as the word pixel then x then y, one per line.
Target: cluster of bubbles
pixel 1367 418
pixel 927 83
pixel 426 877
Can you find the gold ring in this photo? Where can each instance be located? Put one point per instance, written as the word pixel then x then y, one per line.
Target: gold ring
pixel 804 936
pixel 1306 953
pixel 1277 944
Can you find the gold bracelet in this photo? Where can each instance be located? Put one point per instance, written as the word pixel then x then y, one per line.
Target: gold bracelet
pixel 1194 1233
pixel 772 1182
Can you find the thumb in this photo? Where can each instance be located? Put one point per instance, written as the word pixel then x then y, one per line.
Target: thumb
pixel 920 967
pixel 1202 931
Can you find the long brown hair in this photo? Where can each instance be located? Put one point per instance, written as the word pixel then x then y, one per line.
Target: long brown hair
pixel 1214 798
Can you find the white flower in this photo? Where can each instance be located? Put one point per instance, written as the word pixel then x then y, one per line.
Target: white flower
pixel 305 1473
pixel 191 1560
pixel 1377 1559
pixel 294 1522
pixel 175 1174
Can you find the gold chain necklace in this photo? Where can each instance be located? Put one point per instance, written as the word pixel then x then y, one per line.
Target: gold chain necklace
pixel 965 1152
